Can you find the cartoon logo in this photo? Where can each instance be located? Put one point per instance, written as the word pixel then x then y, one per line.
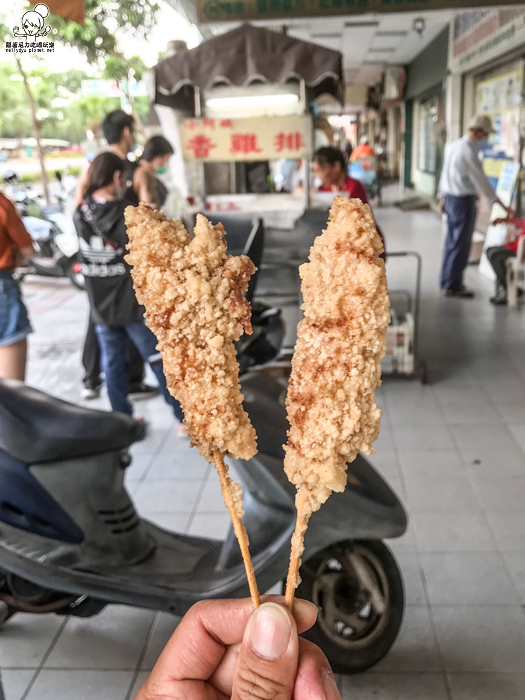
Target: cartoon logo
pixel 33 24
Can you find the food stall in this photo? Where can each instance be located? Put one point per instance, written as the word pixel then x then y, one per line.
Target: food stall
pixel 236 109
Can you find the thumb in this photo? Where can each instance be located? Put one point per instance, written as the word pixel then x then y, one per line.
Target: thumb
pixel 267 663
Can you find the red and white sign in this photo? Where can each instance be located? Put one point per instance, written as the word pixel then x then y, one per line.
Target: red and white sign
pixel 257 138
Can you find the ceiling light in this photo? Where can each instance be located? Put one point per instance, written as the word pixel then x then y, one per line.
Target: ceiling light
pixel 352 25
pixel 394 32
pixel 252 100
pixel 419 25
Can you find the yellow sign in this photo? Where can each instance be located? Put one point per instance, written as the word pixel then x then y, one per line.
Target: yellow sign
pixel 231 10
pixel 256 138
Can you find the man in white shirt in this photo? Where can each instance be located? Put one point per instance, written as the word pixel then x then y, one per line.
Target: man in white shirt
pixel 462 180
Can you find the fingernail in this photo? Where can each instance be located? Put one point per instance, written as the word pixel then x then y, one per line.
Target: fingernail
pixel 270 631
pixel 304 608
pixel 331 691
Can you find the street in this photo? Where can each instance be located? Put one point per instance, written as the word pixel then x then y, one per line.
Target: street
pixel 453 450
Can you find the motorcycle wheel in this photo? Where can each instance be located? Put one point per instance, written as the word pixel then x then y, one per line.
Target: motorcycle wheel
pixel 358 590
pixel 77 278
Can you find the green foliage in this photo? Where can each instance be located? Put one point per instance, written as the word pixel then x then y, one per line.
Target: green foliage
pixel 96 39
pixel 69 121
pixel 69 117
pixel 118 68
pixel 35 177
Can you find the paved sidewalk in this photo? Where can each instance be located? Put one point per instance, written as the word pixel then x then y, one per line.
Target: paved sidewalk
pixel 453 451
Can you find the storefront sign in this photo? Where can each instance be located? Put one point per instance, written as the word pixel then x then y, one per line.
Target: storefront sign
pixel 479 36
pixel 500 98
pixel 230 10
pixel 257 138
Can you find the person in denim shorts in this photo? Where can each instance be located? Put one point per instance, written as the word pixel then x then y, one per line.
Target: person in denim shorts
pixel 15 247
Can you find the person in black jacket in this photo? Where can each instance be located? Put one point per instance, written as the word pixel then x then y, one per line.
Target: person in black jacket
pixel 119 131
pixel 118 317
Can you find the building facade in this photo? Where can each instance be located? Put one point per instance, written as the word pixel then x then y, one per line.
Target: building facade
pixel 424 117
pixel 486 76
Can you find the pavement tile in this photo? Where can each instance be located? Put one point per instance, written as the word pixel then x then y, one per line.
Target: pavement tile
pixel 112 640
pixel 467 578
pixel 422 437
pixel 211 498
pixel 394 686
pixel 411 570
pixel 139 681
pixel 509 529
pixel 431 463
pixel 81 685
pixel 26 638
pixel 453 532
pixel 516 563
pixel 441 494
pixel 415 649
pixel 502 493
pixel 167 495
pixel 481 638
pixel 165 625
pixel 487 686
pixel 14 683
pixel 214 526
pixel 178 465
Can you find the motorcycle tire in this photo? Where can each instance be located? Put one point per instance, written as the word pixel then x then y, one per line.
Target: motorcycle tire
pixel 77 278
pixel 355 628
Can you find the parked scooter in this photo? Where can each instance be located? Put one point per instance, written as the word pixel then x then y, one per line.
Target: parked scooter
pixel 71 541
pixel 56 245
pixel 53 233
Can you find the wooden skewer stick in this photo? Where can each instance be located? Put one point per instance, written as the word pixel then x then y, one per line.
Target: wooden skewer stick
pixel 297 550
pixel 240 531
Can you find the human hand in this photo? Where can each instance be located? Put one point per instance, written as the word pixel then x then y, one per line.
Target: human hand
pixel 221 650
pixel 508 209
pixel 442 205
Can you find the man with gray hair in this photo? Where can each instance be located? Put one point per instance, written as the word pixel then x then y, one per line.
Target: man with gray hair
pixel 462 180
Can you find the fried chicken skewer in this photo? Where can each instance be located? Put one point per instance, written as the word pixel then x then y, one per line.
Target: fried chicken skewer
pixel 193 296
pixel 336 364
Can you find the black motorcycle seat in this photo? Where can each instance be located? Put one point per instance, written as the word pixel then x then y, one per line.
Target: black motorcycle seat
pixel 36 427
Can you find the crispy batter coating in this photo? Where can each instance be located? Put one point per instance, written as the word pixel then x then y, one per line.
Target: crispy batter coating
pixel 193 295
pixel 336 364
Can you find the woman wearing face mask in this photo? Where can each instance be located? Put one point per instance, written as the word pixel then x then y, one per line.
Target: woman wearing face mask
pixel 118 317
pixel 329 169
pixel 154 161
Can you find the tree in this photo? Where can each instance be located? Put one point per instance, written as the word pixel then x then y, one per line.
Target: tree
pixel 96 39
pixel 4 33
pixel 125 71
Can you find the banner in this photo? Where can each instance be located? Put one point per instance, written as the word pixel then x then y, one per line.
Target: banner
pixel 256 138
pixel 500 98
pixel 216 11
pixel 482 35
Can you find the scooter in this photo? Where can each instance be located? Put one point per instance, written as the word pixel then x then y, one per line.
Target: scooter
pixel 56 245
pixel 53 233
pixel 71 541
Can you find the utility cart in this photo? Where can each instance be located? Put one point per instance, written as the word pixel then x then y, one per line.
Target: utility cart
pixel 402 356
